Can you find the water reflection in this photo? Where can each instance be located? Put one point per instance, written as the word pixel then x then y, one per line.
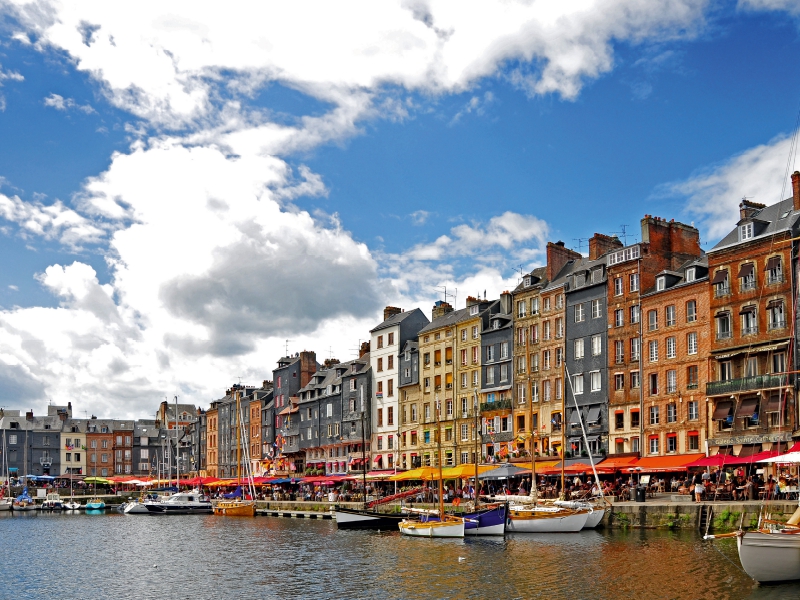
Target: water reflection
pixel 125 556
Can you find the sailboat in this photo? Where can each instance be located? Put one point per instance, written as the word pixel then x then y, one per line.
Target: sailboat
pixel 5 502
pixel 239 507
pixel 71 504
pixel 445 526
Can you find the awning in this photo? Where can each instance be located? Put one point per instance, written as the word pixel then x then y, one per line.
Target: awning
pixel 720 276
pixel 774 262
pixel 745 271
pixel 574 418
pixel 747 310
pixel 289 409
pixel 747 407
pixel 774 303
pixel 594 415
pixel 774 403
pixel 722 410
pixel 501 388
pixel 622 462
pixel 667 463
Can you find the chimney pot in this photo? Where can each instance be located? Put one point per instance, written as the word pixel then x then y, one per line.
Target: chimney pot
pixel 796 190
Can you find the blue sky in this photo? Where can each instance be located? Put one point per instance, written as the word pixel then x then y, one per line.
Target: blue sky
pixel 170 183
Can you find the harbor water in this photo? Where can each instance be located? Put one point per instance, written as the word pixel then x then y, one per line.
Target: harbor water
pixel 124 556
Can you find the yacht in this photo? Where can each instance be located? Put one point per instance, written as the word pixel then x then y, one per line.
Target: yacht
pixel 52 502
pixel 182 503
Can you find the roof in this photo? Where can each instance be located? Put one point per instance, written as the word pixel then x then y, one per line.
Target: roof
pixel 395 319
pixel 771 215
pixel 540 273
pixel 456 316
pixel 680 273
pixel 562 277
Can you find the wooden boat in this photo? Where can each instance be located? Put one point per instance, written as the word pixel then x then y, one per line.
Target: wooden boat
pixel 770 555
pixel 545 519
pixel 596 512
pixel 235 508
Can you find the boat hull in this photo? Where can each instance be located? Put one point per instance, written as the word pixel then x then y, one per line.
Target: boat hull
pixel 432 529
pixel 594 518
pixel 524 520
pixel 365 519
pixel 136 508
pixel 72 505
pixel 95 505
pixel 24 507
pixel 490 521
pixel 5 505
pixel 235 509
pixel 770 557
pixel 162 508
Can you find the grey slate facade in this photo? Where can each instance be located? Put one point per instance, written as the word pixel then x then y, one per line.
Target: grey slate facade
pixel 586 350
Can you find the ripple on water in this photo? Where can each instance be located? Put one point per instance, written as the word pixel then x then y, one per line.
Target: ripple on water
pixel 127 556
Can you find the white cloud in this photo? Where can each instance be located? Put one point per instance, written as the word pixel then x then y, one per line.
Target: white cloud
pixel 13 288
pixel 211 267
pixel 420 217
pixel 790 6
pixel 476 104
pixel 713 194
pixel 64 104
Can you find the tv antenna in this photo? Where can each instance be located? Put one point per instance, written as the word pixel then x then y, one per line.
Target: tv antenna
pixel 580 243
pixel 446 294
pixel 286 348
pixel 623 233
pixel 357 348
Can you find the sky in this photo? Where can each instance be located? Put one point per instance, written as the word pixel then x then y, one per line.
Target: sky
pixel 187 194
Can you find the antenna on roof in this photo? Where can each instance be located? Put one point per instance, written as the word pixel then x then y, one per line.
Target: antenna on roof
pixel 446 294
pixel 580 243
pixel 357 348
pixel 286 348
pixel 623 233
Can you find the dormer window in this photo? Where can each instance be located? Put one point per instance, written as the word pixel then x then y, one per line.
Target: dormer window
pixel 473 310
pixel 527 281
pixel 495 324
pixel 690 274
pixel 661 283
pixel 597 275
pixel 580 280
pixel 745 232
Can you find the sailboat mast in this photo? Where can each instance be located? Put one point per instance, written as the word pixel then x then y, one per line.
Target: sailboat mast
pixel 475 408
pixel 563 439
pixel 363 449
pixel 439 450
pixel 238 440
pixel 177 451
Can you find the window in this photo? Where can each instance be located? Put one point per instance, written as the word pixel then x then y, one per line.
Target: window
pixel 504 372
pixel 475 378
pixel 463 335
pixel 546 390
pixel 779 362
pixel 546 306
pixel 725 371
pixel 633 280
pixel 380 341
pixel 546 360
pixel 661 283
pixel 691 311
pixel 426 382
pixel 534 306
pixel 596 309
pixel 690 274
pixel 635 444
pixel 558 388
pixel 619 317
pixel 579 279
pixel 619 420
pixel 672 381
pixel 595 381
pixel 463 380
pixel 475 330
pixel 378 393
pixel 577 384
pixel 691 342
pixel 597 275
pixel 521 393
pixel 652 320
pixel 579 313
pixel 653 350
pixel 597 345
pixel 691 377
pixel 720 283
pixel 634 310
pixel 634 380
pixel 464 435
pixel 653 384
pixel 380 442
pixel 654 416
pixel 390 362
pixel 521 331
pixel 693 410
pixel 672 412
pixel 635 347
pixel 694 441
pixel 747 277
pixel 618 286
pixel 671 347
pixel 521 308
pixel 534 392
pixel 490 375
pixel 546 330
pixel 560 301
pixel 619 381
pixel 391 339
pixel 475 354
pixel 389 415
pixel 619 351
pixel 623 255
pixel 749 320
pixel 534 362
pixel 723 325
pixel 745 232
pixel 559 357
pixel 775 315
pixel 774 270
pixel 654 444
pixel 380 417
pixel 504 350
pixel 670 315
pixel 578 349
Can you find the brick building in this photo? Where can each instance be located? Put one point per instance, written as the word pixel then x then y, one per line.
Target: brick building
pixel 100 444
pixel 632 271
pixel 751 385
pixel 677 340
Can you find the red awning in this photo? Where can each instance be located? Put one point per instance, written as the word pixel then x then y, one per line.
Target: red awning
pixel 667 463
pixel 618 463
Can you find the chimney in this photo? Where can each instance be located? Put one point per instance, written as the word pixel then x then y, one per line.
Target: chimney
pixel 505 303
pixel 308 366
pixel 440 309
pixel 472 301
pixel 390 311
pixel 557 257
pixel 599 244
pixel 796 189
pixel 364 349
pixel 748 209
pixel 29 415
pixel 329 362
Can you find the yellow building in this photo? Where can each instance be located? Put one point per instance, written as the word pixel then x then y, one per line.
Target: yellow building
pixel 409 405
pixel 212 441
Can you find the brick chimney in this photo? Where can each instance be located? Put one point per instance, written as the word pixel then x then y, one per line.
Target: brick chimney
pixel 29 415
pixel 796 189
pixel 440 309
pixel 558 256
pixel 472 300
pixel 364 349
pixel 329 362
pixel 599 244
pixel 390 311
pixel 748 208
pixel 308 366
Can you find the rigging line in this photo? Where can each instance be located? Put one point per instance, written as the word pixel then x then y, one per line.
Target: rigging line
pixel 583 430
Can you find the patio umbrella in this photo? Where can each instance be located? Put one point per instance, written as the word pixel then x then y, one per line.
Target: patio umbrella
pixel 791 457
pixel 464 471
pixel 504 471
pixel 100 480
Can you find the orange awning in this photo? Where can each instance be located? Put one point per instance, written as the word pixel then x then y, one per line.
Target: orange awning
pixel 618 463
pixel 667 463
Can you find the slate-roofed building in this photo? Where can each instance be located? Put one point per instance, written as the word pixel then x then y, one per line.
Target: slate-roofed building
pixel 357 396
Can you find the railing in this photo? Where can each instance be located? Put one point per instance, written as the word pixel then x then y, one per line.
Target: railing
pixel 747 285
pixel 723 335
pixel 449 361
pixel 733 386
pixel 777 325
pixel 773 278
pixel 497 405
pixel 749 330
pixel 722 290
pixel 448 386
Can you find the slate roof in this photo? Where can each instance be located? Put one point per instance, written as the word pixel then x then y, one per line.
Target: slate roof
pixel 395 320
pixel 779 217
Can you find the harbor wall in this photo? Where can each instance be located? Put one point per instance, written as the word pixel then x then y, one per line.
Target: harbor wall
pixel 723 516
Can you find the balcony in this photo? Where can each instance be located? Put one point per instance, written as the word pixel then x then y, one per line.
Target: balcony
pixel 46 461
pixel 773 277
pixel 777 325
pixel 734 386
pixel 722 290
pixel 498 405
pixel 449 361
pixel 723 335
pixel 448 386
pixel 750 330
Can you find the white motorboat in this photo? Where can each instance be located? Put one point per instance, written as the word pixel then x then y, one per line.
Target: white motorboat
pixel 596 513
pixel 137 507
pixel 182 503
pixel 545 519
pixel 72 505
pixel 52 502
pixel 5 504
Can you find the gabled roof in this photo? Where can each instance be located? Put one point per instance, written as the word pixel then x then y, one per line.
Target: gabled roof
pixel 538 276
pixel 780 217
pixel 396 319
